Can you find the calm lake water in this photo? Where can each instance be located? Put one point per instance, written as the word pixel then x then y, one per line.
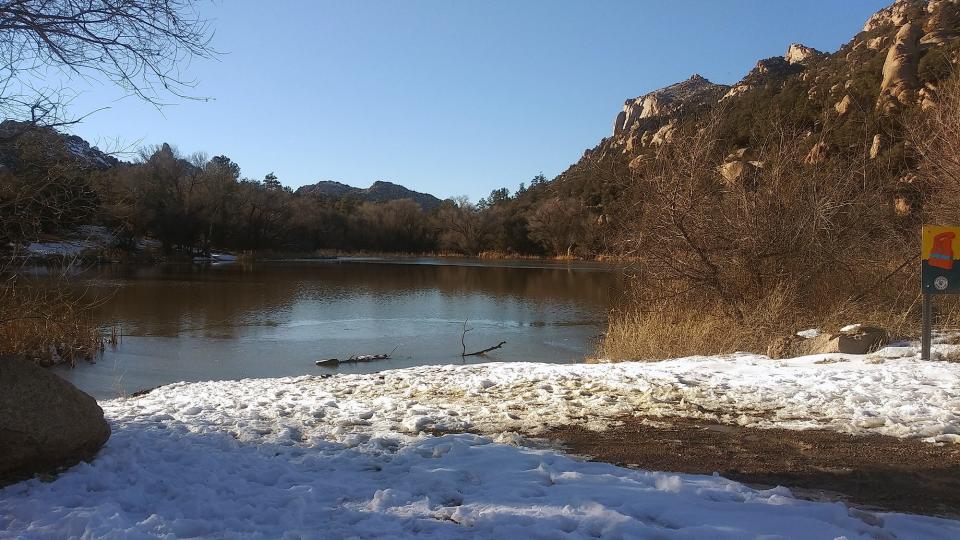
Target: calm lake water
pixel 236 321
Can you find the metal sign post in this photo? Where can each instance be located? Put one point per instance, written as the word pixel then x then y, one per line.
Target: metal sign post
pixel 939 274
pixel 927 330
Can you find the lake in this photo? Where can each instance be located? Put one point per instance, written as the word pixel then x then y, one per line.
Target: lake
pixel 273 319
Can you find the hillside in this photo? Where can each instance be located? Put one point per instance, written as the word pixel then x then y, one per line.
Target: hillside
pixel 73 147
pixel 379 191
pixel 854 98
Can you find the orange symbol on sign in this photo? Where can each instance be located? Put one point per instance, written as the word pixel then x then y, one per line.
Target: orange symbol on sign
pixel 941 255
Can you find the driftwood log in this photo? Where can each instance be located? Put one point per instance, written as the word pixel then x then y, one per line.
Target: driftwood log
pixel 334 362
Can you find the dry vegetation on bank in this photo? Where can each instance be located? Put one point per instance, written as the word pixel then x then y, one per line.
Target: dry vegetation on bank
pixel 43 321
pixel 726 266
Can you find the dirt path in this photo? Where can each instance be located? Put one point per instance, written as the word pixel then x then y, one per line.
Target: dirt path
pixel 875 472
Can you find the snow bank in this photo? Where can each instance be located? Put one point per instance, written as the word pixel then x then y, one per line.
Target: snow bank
pixel 65 248
pixel 891 393
pixel 342 458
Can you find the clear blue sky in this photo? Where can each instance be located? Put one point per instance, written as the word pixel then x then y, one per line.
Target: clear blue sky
pixel 448 97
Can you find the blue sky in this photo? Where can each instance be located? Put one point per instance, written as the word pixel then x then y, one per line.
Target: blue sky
pixel 447 97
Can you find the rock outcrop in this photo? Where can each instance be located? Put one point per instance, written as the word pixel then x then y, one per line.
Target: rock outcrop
pixel 86 155
pixel 800 54
pixel 817 154
pixel 941 25
pixel 666 102
pixel 769 71
pixel 899 83
pixel 45 422
pixel 646 120
pixel 740 168
pixel 897 14
pixel 843 106
pixel 876 146
pixel 904 54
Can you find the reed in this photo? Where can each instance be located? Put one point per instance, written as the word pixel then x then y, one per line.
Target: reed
pixel 48 324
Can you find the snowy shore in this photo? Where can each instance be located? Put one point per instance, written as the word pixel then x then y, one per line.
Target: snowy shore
pixel 385 455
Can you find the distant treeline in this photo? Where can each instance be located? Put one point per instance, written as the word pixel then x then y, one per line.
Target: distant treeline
pixel 194 204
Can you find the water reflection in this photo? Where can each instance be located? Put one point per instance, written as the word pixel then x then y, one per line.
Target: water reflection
pixel 275 319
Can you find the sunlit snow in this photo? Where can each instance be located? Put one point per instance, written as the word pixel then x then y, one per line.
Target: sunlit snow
pixel 434 452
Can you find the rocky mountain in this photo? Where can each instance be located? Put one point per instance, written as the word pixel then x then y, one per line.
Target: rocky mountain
pixel 893 66
pixel 646 119
pixel 72 145
pixel 379 191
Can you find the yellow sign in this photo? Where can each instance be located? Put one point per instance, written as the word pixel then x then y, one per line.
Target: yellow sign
pixel 941 259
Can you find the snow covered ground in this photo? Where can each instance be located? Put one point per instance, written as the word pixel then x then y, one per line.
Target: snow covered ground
pixel 64 248
pixel 348 456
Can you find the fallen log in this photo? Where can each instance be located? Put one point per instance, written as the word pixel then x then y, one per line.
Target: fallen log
pixel 367 357
pixel 334 362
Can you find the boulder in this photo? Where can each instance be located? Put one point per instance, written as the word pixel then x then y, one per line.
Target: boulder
pixel 637 162
pixel 46 423
pixel 663 135
pixel 731 171
pixel 854 339
pixel 859 339
pixel 876 146
pixel 902 205
pixel 817 154
pixel 927 98
pixel 782 347
pixel 843 107
pixel 739 170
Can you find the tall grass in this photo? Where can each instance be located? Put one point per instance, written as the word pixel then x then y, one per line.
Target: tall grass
pixel 692 324
pixel 45 322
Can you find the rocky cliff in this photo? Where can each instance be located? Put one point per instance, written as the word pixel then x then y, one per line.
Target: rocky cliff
pixel 892 66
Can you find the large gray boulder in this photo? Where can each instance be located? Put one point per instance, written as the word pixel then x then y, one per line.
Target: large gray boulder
pixel 46 423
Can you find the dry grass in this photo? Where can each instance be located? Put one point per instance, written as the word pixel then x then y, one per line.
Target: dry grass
pixel 634 335
pixel 686 325
pixel 49 325
pixel 55 340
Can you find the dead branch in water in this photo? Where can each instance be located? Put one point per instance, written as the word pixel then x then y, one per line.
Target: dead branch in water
pixel 463 344
pixel 463 336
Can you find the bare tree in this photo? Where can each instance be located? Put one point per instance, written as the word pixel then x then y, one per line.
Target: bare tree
pixel 935 137
pixel 789 226
pixel 139 45
pixel 558 224
pixel 463 227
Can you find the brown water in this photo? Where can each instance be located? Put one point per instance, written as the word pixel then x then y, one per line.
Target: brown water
pixel 276 319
